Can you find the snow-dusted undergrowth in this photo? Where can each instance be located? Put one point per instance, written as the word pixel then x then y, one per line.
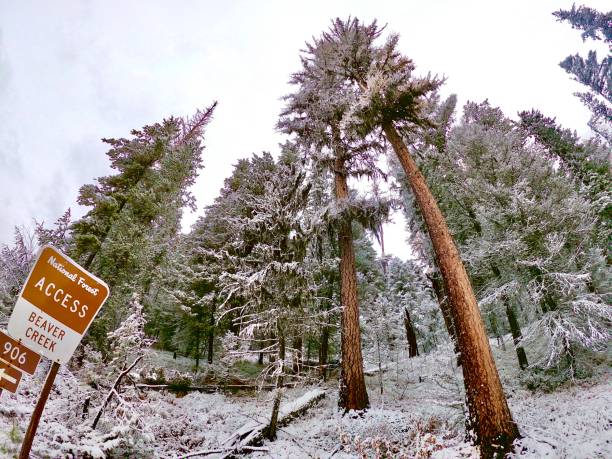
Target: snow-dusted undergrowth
pixel 419 414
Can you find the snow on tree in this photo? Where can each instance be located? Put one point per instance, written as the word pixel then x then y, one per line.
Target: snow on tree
pixel 528 235
pixel 590 72
pixel 380 96
pixel 586 162
pixel 284 257
pixel 184 299
pixel 15 264
pixel 322 258
pixel 400 316
pixel 314 113
pixel 264 284
pixel 135 213
pixel 414 304
pixel 129 341
pixel 441 112
pixel 58 236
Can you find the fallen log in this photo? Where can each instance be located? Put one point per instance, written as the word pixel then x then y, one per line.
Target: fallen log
pixel 208 452
pixel 210 388
pixel 250 436
pixel 372 371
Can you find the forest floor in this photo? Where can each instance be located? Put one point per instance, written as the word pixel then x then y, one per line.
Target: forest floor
pixel 419 414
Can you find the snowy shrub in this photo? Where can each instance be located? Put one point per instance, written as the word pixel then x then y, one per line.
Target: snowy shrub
pixel 153 376
pixel 567 370
pixel 93 369
pixel 384 433
pixel 231 345
pixel 129 340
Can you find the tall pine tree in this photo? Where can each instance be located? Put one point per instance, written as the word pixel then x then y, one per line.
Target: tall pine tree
pixel 135 212
pixel 384 98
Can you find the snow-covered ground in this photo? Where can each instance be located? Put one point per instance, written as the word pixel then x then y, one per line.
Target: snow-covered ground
pixel 424 419
pixel 419 414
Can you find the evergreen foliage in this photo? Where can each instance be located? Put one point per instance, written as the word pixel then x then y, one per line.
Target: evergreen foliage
pixel 595 75
pixel 507 220
pixel 528 236
pixel 136 212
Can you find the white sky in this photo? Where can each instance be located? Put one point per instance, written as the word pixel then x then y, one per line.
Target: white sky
pixel 72 72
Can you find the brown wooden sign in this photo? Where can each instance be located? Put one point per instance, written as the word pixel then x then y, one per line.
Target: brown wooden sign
pixel 56 306
pixel 17 355
pixel 9 377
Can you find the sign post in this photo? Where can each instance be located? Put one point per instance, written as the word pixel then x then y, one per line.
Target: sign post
pixel 54 310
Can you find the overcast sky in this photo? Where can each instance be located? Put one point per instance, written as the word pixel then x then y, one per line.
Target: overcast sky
pixel 72 72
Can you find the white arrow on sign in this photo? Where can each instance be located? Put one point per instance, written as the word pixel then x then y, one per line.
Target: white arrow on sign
pixel 8 377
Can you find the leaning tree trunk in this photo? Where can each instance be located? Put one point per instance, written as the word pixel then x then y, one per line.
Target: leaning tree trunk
pixel 517 336
pixel 270 432
pixel 413 350
pixel 353 393
pixel 488 420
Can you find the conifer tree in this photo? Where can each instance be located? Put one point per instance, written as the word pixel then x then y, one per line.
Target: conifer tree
pixel 529 236
pixel 322 257
pixel 59 235
pixel 184 298
pixel 265 257
pixel 385 98
pixel 314 113
pixel 420 244
pixel 587 163
pixel 15 264
pixel 595 75
pixel 135 212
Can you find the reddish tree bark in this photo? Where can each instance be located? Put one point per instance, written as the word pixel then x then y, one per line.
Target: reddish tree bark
pixel 353 393
pixel 488 420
